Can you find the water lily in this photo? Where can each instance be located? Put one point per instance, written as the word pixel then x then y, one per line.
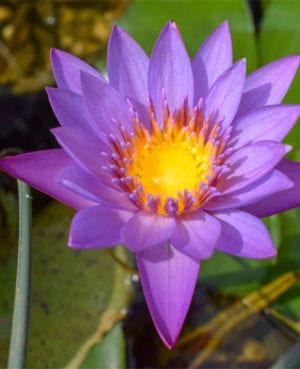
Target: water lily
pixel 172 158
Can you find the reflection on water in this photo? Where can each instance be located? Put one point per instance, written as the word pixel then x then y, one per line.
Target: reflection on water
pixel 254 342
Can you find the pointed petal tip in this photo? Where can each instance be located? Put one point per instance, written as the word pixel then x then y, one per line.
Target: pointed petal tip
pixel 242 63
pixel 171 25
pixel 174 25
pixel 116 31
pixel 223 27
pixel 53 53
pixel 56 54
pixel 287 148
pixel 168 341
pixel 293 58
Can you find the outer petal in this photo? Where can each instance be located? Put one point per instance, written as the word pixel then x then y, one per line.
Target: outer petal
pixel 244 235
pixel 250 163
pixel 224 97
pixel 81 182
pixel 108 108
pixel 284 200
pixel 211 60
pixel 39 170
pixel 196 234
pixel 170 71
pixel 66 69
pixel 69 108
pixel 168 278
pixel 268 123
pixel 269 84
pixel 97 226
pixel 127 67
pixel 85 149
pixel 145 229
pixel 270 184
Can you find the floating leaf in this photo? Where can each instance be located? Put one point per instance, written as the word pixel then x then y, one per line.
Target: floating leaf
pixel 70 290
pixel 110 354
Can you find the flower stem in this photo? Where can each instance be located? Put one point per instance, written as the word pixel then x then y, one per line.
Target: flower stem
pixel 18 342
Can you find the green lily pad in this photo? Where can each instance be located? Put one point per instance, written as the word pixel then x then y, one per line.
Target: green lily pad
pixel 110 354
pixel 69 292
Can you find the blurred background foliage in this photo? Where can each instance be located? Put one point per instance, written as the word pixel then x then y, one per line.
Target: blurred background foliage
pixel 72 290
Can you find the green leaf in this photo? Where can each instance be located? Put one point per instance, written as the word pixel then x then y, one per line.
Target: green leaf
pixel 70 290
pixel 110 354
pixel 195 19
pixel 235 275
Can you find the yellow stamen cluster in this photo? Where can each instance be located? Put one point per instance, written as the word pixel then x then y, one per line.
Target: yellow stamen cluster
pixel 171 169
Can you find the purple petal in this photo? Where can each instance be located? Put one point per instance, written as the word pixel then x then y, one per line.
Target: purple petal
pixel 87 150
pixel 39 170
pixel 211 60
pixel 250 163
pixel 170 71
pixel 271 183
pixel 268 123
pixel 69 108
pixel 127 68
pixel 146 229
pixel 196 234
pixel 244 235
pixel 168 279
pixel 284 200
pixel 269 84
pixel 97 226
pixel 224 97
pixel 66 69
pixel 108 108
pixel 81 182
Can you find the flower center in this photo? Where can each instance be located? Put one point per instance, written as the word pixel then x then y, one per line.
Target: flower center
pixel 172 169
pixel 167 167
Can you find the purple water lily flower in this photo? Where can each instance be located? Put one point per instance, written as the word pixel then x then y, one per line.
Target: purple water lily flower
pixel 172 158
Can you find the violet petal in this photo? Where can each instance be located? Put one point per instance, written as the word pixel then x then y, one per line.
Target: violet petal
pixel 272 183
pixel 211 60
pixel 85 149
pixel 69 108
pixel 224 96
pixel 284 200
pixel 107 107
pixel 97 226
pixel 244 235
pixel 145 229
pixel 196 234
pixel 170 71
pixel 267 123
pixel 127 68
pixel 168 278
pixel 81 182
pixel 66 68
pixel 268 84
pixel 39 170
pixel 250 163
